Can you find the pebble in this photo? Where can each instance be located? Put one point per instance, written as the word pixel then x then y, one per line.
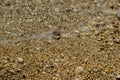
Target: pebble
pixel 79 69
pixel 64 35
pixel 118 14
pixel 56 37
pixel 20 60
pixel 11 71
pixel 77 79
pixel 118 77
pixel 56 34
pixel 76 31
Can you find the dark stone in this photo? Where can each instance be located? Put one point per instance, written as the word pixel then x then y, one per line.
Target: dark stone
pixel 56 32
pixel 117 78
pixel 8 4
pixel 24 76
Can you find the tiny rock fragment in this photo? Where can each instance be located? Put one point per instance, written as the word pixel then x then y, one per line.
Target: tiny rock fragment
pixel 56 34
pixel 117 41
pixel 77 33
pixel 7 4
pixel 86 59
pixel 20 60
pixel 11 71
pixel 77 79
pixel 66 35
pixel 118 77
pixel 56 37
pixel 118 14
pixel 79 69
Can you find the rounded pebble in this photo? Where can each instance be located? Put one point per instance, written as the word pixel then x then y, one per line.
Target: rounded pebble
pixel 79 69
pixel 20 60
pixel 118 77
pixel 118 14
pixel 56 34
pixel 77 79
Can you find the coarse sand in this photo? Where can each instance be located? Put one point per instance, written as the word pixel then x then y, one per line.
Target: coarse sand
pixel 59 39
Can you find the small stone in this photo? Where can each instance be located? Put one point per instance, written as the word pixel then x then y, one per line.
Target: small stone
pixel 110 43
pixel 11 71
pixel 118 77
pixel 76 31
pixel 66 35
pixel 56 34
pixel 56 37
pixel 75 10
pixel 8 4
pixel 20 60
pixel 118 14
pixel 77 78
pixel 57 75
pixel 79 69
pixel 86 59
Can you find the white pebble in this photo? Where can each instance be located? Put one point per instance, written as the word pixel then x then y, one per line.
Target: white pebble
pixel 76 31
pixel 20 60
pixel 79 69
pixel 77 79
pixel 117 77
